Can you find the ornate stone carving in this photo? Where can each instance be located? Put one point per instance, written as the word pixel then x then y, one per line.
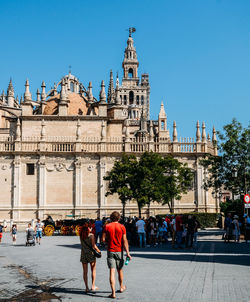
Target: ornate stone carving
pixel 102 165
pixel 124 112
pixel 90 167
pixel 59 167
pixel 4 167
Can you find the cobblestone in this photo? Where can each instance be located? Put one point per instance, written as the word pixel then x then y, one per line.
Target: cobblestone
pixel 215 272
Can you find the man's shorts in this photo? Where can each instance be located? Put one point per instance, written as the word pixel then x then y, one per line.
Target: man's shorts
pixel 38 234
pixel 115 260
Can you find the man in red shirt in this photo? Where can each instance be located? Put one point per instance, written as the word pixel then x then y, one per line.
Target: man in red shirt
pixel 114 234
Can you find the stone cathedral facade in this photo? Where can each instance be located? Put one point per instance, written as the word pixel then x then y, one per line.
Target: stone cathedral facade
pixel 56 148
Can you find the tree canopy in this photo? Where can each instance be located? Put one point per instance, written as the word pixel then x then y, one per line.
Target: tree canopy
pixel 231 168
pixel 149 178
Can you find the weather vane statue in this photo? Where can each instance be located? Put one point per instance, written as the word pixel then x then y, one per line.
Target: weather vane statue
pixel 131 30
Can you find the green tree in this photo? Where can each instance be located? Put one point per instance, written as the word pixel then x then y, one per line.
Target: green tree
pixel 176 180
pixel 149 173
pixel 151 178
pixel 119 179
pixel 231 168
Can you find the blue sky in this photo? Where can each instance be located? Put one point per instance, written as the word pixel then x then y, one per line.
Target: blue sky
pixel 197 52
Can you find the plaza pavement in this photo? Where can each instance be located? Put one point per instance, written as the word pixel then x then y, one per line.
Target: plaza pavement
pixel 52 272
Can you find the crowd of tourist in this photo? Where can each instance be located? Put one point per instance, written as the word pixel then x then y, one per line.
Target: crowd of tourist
pixel 234 227
pixel 155 231
pixel 181 231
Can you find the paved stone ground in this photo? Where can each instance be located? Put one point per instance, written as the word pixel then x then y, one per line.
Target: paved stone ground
pixel 52 272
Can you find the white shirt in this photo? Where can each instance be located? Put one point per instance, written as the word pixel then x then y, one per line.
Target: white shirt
pixel 173 224
pixel 39 226
pixel 140 226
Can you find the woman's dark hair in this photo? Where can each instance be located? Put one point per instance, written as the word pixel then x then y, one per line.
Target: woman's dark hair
pixel 85 230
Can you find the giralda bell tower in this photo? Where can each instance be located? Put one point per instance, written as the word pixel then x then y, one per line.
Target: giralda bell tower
pixel 134 93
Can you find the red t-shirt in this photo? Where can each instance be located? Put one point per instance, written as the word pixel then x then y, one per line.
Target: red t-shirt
pixel 114 232
pixel 178 222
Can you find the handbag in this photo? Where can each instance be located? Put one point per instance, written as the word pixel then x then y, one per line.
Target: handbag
pixel 96 254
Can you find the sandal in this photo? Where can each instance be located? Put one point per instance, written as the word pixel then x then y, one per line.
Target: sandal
pixel 111 296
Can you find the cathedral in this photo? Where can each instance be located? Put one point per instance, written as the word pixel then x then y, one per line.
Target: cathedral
pixel 56 148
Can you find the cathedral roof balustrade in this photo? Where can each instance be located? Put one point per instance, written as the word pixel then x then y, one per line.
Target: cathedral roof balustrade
pixel 110 144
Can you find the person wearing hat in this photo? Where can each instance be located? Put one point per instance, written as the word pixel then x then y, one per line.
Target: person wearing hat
pixel 236 228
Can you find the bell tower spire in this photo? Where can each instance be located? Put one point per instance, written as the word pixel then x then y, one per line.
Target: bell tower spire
pixel 134 92
pixel 130 63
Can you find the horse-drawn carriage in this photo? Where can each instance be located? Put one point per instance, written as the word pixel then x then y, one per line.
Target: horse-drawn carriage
pixel 63 227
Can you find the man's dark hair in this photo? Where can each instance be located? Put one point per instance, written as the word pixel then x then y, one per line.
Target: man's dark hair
pixel 115 216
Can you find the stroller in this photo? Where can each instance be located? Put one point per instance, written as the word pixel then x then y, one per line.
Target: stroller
pixel 30 239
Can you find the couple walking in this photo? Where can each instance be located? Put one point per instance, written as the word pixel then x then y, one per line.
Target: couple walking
pixel 114 235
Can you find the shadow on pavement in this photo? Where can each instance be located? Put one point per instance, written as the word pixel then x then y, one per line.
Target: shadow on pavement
pixel 234 260
pixel 74 291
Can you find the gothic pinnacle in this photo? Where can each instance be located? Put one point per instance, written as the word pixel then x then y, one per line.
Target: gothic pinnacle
pixel 10 90
pixel 117 81
pixel 198 134
pixel 38 98
pixel 214 139
pixel 43 94
pixel 174 133
pixel 63 95
pixel 111 88
pixel 102 93
pixel 27 94
pixel 204 136
pixel 90 94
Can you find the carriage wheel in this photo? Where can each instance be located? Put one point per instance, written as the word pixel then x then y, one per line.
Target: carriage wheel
pixel 64 230
pixel 77 230
pixel 49 230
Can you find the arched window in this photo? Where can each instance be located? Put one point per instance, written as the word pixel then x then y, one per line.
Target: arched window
pixel 130 73
pixel 162 125
pixel 125 100
pixel 72 86
pixel 131 97
pixel 142 100
pixel 137 100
